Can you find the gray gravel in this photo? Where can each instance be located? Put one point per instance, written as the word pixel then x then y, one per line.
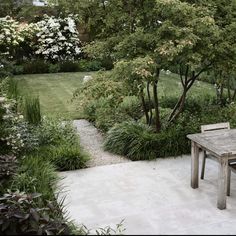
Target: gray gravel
pixel 92 141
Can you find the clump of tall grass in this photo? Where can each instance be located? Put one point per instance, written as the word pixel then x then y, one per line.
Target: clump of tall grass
pixel 32 110
pixel 36 175
pixel 13 89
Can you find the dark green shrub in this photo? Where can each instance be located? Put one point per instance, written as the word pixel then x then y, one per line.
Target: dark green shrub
pixel 131 106
pixel 68 157
pixel 20 214
pixel 139 142
pixel 106 114
pixel 18 70
pixel 69 66
pixel 8 168
pixel 53 132
pixel 89 65
pixel 35 67
pixel 32 110
pixel 54 68
pixel 36 175
pixel 123 138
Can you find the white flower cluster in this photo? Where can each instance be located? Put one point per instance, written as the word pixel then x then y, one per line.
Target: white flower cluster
pixel 58 39
pixel 9 34
pixel 12 34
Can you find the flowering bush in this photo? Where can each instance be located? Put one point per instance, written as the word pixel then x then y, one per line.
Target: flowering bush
pixel 10 36
pixel 58 39
pixel 16 133
pixel 15 38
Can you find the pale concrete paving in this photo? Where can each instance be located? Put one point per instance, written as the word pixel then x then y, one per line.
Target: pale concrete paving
pixel 152 197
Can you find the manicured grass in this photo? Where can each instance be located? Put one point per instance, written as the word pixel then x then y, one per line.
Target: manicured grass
pixel 55 90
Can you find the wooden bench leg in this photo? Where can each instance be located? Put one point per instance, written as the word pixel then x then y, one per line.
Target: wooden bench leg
pixel 194 165
pixel 228 181
pixel 222 186
pixel 203 164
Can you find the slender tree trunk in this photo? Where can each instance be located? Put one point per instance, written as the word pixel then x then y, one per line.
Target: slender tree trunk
pixel 187 82
pixel 145 109
pixel 234 95
pixel 149 102
pixel 228 89
pixel 156 103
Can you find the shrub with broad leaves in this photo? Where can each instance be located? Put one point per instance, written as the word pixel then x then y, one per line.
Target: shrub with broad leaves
pixel 20 214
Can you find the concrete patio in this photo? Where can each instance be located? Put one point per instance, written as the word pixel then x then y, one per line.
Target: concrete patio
pixel 152 197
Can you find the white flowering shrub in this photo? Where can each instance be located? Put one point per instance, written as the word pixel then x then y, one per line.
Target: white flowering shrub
pixel 17 134
pixel 10 36
pixel 15 42
pixel 58 39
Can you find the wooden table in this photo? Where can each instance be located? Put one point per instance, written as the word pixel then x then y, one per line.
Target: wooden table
pixel 222 145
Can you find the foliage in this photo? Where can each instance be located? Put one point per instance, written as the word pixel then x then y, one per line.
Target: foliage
pixel 53 132
pixel 69 66
pixel 138 142
pixel 32 111
pixel 102 91
pixel 35 67
pixel 20 214
pixel 131 106
pixel 68 157
pixel 36 175
pixel 8 168
pixel 58 39
pixel 15 36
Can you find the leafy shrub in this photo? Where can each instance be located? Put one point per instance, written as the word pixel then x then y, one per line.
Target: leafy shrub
pixel 67 157
pixel 101 90
pixel 69 66
pixel 8 166
pixel 123 137
pixel 32 110
pixel 21 215
pixel 138 141
pixel 35 67
pixel 36 175
pixel 131 106
pixel 106 114
pixel 53 132
pixel 87 65
pixel 54 68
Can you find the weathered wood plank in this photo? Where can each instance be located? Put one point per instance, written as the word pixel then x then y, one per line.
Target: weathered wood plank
pixel 222 181
pixel 194 165
pixel 220 142
pixel 212 127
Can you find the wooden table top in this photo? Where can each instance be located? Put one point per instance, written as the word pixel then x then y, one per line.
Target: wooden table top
pixel 219 142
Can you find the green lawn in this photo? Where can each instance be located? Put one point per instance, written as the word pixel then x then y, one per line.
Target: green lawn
pixel 55 90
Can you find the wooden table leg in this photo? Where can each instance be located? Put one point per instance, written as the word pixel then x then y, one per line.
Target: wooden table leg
pixel 222 179
pixel 194 165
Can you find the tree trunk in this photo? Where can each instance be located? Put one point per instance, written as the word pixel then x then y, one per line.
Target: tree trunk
pixel 145 110
pixel 228 88
pixel 149 102
pixel 156 106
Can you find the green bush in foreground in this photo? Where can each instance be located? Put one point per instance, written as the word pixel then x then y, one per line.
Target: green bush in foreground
pixel 21 215
pixel 67 157
pixel 36 175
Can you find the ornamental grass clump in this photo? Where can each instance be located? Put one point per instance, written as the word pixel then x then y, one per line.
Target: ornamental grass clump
pixel 32 110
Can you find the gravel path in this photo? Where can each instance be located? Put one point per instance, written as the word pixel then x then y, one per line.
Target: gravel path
pixel 92 141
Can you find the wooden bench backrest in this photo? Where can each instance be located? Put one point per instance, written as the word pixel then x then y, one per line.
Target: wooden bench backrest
pixel 212 127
